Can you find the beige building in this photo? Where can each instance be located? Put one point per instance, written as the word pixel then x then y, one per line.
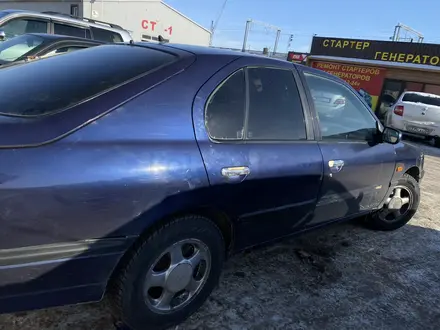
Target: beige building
pixel 146 19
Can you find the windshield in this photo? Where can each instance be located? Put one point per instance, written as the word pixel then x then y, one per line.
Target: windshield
pixel 13 49
pixel 420 98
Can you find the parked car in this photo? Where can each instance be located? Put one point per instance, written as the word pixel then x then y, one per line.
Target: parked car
pixel 417 114
pixel 14 22
pixel 28 47
pixel 139 178
pixel 328 104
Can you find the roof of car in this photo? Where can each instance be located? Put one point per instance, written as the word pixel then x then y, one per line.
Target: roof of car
pixel 203 50
pixel 62 37
pixel 66 18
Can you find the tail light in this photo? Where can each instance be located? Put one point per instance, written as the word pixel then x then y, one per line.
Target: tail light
pixel 339 102
pixel 398 110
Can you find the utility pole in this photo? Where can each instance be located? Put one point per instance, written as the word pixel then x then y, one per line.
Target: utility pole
pixel 215 23
pixel 267 26
pixel 277 39
pixel 399 27
pixel 289 44
pixel 246 33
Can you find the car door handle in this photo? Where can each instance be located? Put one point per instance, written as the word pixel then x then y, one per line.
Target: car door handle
pixel 336 166
pixel 236 172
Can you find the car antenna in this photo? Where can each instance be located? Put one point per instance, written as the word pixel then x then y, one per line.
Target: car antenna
pixel 131 42
pixel 160 38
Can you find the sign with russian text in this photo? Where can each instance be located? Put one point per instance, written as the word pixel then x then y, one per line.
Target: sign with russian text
pixel 366 80
pixel 387 51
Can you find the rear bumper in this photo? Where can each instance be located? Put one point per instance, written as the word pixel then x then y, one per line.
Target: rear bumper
pixel 401 124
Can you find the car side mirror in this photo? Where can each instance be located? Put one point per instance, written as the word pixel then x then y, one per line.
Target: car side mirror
pixel 391 136
pixel 2 35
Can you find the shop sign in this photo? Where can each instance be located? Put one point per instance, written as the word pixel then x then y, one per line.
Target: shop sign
pixel 151 25
pixel 366 80
pixel 388 51
pixel 295 57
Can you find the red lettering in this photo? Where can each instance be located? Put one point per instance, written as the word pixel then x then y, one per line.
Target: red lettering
pixel 144 24
pixel 169 30
pixel 153 24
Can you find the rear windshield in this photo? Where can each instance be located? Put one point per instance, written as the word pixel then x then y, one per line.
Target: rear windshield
pixel 419 98
pixel 53 84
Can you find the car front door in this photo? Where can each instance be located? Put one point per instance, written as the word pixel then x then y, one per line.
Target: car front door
pixel 259 151
pixel 357 169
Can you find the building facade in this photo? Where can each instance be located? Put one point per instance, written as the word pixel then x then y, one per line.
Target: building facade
pixel 382 69
pixel 146 19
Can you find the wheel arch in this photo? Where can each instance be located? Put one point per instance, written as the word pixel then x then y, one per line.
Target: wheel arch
pixel 152 220
pixel 414 171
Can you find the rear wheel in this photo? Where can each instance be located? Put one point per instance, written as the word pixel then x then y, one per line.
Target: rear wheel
pixel 169 275
pixel 399 207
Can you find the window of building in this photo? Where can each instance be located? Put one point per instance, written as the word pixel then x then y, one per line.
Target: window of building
pixel 17 27
pixel 59 82
pixel 74 10
pixel 341 114
pixel 275 110
pixel 226 108
pixel 69 30
pixel 105 35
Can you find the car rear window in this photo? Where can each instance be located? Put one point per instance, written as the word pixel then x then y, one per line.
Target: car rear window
pixel 419 98
pixel 53 84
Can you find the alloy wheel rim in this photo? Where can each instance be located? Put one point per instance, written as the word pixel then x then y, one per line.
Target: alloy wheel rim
pixel 177 276
pixel 397 205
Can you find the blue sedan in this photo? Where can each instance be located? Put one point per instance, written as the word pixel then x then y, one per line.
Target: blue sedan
pixel 137 169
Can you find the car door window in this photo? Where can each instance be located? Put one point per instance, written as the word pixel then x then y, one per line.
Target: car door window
pixel 17 27
pixel 275 110
pixel 12 49
pixel 226 108
pixel 63 50
pixel 69 30
pixel 105 35
pixel 342 115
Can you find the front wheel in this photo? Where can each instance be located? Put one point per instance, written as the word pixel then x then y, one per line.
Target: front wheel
pixel 399 207
pixel 169 274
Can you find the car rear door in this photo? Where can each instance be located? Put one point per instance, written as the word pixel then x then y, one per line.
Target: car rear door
pixel 357 171
pixel 261 159
pixel 73 30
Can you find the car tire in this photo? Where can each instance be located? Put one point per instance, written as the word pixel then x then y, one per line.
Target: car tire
pixel 437 142
pixel 137 302
pixel 409 188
